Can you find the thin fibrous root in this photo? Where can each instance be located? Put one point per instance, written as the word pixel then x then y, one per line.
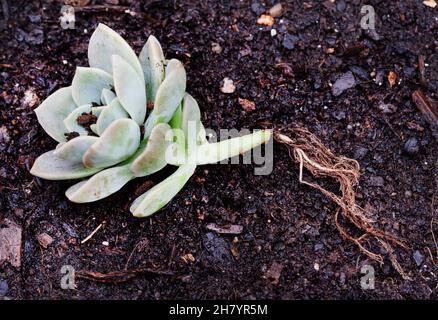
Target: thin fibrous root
pixel 306 149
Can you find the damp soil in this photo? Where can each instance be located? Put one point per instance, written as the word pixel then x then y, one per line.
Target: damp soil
pixel 288 246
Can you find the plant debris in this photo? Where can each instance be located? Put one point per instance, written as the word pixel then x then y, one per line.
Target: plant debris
pixel 392 78
pixel 247 105
pixel 274 272
pixel 120 276
pixel 227 229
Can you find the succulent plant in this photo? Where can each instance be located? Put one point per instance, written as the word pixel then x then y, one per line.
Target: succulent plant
pixel 103 133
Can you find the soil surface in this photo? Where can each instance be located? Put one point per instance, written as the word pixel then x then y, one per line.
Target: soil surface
pixel 320 70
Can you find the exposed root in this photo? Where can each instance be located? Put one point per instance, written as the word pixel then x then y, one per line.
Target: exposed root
pixel 311 154
pixel 119 276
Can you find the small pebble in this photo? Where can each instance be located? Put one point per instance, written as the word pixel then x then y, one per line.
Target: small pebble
pixel 105 243
pixel 216 48
pixel 411 146
pixel 418 257
pixel 273 32
pixel 289 41
pixel 4 288
pixel 276 10
pixel 228 86
pixel 344 82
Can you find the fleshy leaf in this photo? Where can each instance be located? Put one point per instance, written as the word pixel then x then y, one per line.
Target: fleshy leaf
pixel 97 110
pixel 101 185
pixel 107 96
pixel 169 96
pixel 93 128
pixel 88 83
pixel 130 89
pixel 52 112
pixel 176 120
pixel 71 121
pixel 50 167
pixel 111 113
pixel 74 149
pixel 191 117
pixel 215 152
pixel 117 143
pixel 152 159
pixel 104 43
pixel 152 61
pixel 161 194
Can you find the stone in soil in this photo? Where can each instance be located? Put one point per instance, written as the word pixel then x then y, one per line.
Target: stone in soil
pixel 289 41
pixel 218 248
pixel 4 288
pixel 10 243
pixel 376 181
pixel 344 82
pixel 411 146
pixel 418 257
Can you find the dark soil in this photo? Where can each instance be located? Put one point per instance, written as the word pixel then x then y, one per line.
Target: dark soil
pixel 289 246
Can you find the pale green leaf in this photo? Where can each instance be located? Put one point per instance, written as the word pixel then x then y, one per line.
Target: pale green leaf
pixel 88 83
pixel 169 96
pixel 112 112
pixel 74 149
pixel 107 96
pixel 117 143
pixel 161 194
pixel 152 61
pixel 99 186
pixel 96 111
pixel 71 121
pixel 50 167
pixel 176 120
pixel 152 159
pixel 216 152
pixel 104 43
pixel 130 89
pixel 191 121
pixel 52 112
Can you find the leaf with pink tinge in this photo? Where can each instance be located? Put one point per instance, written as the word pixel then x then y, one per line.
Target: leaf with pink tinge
pixel 101 185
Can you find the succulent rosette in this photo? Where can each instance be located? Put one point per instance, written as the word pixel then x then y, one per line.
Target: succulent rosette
pixel 106 136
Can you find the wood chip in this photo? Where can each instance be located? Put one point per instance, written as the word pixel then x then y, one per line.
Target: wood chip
pixel 392 78
pixel 44 240
pixel 427 107
pixel 266 20
pixel 228 229
pixel 247 105
pixel 274 272
pixel 430 3
pixel 187 258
